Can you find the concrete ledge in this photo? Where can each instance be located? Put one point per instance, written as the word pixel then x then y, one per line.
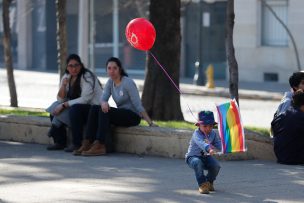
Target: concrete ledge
pixel 138 140
pixel 29 129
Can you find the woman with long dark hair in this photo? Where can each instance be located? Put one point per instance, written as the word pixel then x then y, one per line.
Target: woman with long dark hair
pixel 128 113
pixel 79 89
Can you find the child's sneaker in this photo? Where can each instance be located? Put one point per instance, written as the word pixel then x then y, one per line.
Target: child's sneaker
pixel 211 187
pixel 204 188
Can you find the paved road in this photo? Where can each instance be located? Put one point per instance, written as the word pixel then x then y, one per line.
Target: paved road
pixel 29 173
pixel 38 90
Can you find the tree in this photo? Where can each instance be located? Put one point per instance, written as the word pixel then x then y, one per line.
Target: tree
pixel 232 63
pixel 160 98
pixel 61 35
pixel 8 59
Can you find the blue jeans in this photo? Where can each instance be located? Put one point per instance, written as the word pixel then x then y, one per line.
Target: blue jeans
pixel 199 164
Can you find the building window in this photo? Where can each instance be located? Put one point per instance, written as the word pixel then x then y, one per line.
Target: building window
pixel 273 33
pixel 133 60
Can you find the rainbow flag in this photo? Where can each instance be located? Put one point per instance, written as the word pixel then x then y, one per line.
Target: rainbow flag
pixel 230 127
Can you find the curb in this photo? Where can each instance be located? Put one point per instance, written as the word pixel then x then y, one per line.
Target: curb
pixel 165 142
pixel 223 92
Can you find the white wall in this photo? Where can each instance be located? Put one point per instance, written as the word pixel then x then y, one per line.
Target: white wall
pixel 296 25
pixel 253 59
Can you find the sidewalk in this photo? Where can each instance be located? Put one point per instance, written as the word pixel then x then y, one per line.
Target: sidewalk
pixel 247 90
pixel 258 101
pixel 29 173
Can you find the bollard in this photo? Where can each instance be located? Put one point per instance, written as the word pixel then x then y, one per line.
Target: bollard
pixel 210 77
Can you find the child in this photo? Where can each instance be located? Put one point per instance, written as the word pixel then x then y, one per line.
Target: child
pixel 203 144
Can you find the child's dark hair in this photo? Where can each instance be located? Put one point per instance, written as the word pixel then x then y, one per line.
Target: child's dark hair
pixel 295 79
pixel 298 99
pixel 117 61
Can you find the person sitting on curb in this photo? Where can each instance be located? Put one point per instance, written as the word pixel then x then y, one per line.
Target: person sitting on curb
pixel 296 82
pixel 128 113
pixel 203 144
pixel 79 89
pixel 288 132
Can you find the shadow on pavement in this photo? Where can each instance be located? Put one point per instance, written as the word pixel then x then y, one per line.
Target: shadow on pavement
pixel 35 174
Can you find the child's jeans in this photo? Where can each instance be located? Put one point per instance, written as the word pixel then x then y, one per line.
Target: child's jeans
pixel 201 163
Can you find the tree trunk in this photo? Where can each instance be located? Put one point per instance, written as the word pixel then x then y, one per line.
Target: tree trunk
pixel 232 63
pixel 61 35
pixel 8 59
pixel 160 98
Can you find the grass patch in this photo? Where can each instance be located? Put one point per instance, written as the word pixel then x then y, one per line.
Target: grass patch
pixel 23 112
pixel 262 131
pixel 191 126
pixel 172 124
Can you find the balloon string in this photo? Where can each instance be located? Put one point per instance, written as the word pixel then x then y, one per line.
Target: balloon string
pixel 166 73
pixel 168 76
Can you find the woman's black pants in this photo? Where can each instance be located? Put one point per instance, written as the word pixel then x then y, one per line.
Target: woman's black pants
pixel 78 116
pixel 99 123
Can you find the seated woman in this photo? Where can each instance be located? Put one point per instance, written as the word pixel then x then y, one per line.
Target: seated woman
pixel 288 132
pixel 129 110
pixel 79 89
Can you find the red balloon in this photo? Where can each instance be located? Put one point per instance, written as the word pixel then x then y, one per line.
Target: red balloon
pixel 140 33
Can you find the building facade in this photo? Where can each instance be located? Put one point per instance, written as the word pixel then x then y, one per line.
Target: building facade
pixel 96 29
pixel 264 50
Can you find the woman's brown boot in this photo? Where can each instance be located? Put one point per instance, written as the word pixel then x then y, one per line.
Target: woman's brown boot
pixel 97 149
pixel 86 145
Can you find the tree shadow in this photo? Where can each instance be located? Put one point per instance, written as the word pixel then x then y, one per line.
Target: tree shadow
pixel 118 177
